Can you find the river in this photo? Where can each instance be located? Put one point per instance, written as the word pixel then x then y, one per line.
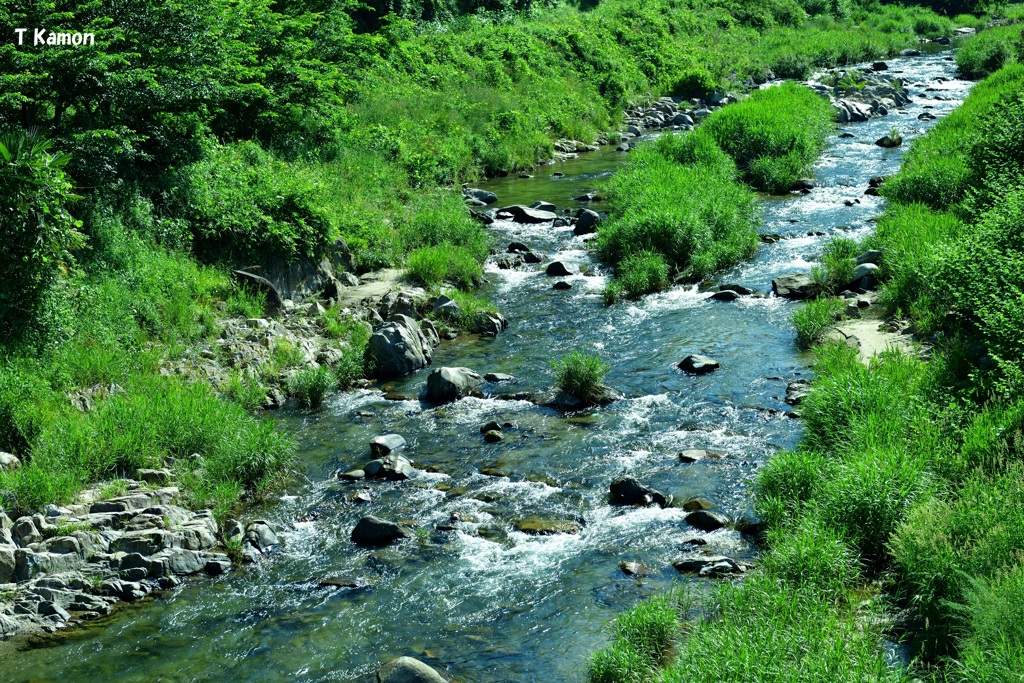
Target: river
pixel 486 603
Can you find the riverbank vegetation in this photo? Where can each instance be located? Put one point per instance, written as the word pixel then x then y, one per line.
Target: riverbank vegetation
pixel 899 516
pixel 294 125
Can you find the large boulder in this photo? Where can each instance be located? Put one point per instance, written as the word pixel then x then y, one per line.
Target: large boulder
pixel 450 384
pixel 374 531
pixel 480 195
pixel 559 269
pixel 398 347
pixel 629 491
pixel 408 670
pixel 524 214
pixel 794 286
pixel 586 222
pixel 393 468
pixel 698 365
pixel 705 520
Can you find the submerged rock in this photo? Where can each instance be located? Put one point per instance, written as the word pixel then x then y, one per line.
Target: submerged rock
pixel 540 526
pixel 408 670
pixel 706 520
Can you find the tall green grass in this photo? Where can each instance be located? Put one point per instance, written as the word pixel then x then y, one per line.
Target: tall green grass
pixel 814 319
pixel 580 373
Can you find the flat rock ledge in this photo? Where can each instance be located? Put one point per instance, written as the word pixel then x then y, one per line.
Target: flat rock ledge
pixel 76 563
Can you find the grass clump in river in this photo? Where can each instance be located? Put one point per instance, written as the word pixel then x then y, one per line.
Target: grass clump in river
pixel 580 374
pixel 311 385
pixel 814 319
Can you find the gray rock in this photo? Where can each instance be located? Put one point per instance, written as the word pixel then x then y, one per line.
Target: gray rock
pixel 374 531
pixel 450 384
pixel 524 214
pixel 543 206
pixel 698 365
pixel 739 289
pixel 47 609
pixel 384 444
pixel 499 377
pixel 490 323
pixel 692 455
pixel 794 286
pixel 408 670
pixel 709 565
pixel 586 222
pixel 536 525
pixel 705 520
pixel 9 461
pixel 29 564
pixel 260 535
pixel 8 564
pixel 889 141
pixel 63 545
pixel 559 269
pixel 233 531
pixel 629 491
pixel 398 347
pixel 352 475
pixel 430 333
pixel 725 295
pixel 910 53
pixel 480 195
pixel 797 391
pixel 25 532
pixel 562 285
pixel 865 275
pixel 392 467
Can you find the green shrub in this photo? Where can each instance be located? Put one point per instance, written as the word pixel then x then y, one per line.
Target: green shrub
pixel 814 319
pixel 775 136
pixel 698 219
pixel 39 232
pixel 787 482
pixel 993 645
pixel 310 385
pixel 838 261
pixel 446 263
pixel 612 292
pixel 643 273
pixel 987 52
pixel 579 374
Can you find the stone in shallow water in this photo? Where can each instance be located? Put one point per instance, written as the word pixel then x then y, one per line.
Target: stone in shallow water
pixel 706 520
pixel 408 670
pixel 374 531
pixel 539 526
pixel 384 444
pixel 692 455
pixel 698 365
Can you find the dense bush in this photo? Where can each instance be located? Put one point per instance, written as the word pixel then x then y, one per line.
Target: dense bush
pixel 643 273
pixel 989 51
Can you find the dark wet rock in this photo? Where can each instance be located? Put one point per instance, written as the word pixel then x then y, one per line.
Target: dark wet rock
pixel 450 384
pixel 889 141
pixel 561 400
pixel 374 531
pixel 482 196
pixel 871 256
pixel 797 391
pixel 518 248
pixel 343 583
pixel 490 427
pixel 739 289
pixel 386 443
pixel 543 206
pixel 586 222
pixel 408 670
pixel 492 471
pixel 541 526
pixel 865 276
pixel 398 347
pixel 698 365
pixel 559 269
pixel 493 436
pixel 725 295
pixel 393 467
pixel 260 536
pixel 499 377
pixel 880 66
pixel 694 504
pixel 805 184
pixel 709 565
pixel 629 491
pixel 706 520
pixel 692 455
pixel 562 285
pixel 524 214
pixel 352 475
pixel 794 286
pixel 926 116
pixel 910 53
pixel 490 324
pixel 751 524
pixel 847 135
pixel 447 307
pixel 587 197
pixel 531 258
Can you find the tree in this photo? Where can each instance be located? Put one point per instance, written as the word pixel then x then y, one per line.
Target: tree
pixel 36 230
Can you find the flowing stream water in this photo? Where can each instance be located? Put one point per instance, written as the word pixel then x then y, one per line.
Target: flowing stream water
pixel 486 603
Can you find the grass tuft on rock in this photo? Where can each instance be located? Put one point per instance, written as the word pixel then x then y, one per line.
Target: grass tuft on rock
pixel 580 374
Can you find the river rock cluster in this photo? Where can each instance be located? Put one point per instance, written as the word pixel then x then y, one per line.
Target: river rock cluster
pixel 76 562
pixel 862 94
